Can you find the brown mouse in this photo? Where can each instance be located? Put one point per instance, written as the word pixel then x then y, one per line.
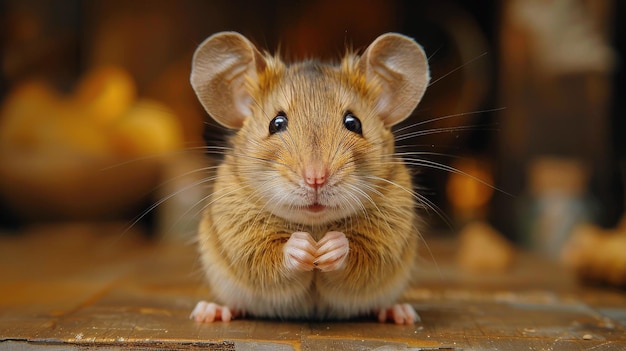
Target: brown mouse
pixel 312 214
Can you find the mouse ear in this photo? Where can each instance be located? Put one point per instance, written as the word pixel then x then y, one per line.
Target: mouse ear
pixel 399 65
pixel 220 67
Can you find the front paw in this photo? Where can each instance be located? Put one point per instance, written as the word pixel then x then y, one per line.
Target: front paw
pixel 299 252
pixel 332 252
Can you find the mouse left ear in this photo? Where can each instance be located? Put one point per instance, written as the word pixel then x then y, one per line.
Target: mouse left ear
pixel 221 66
pixel 400 67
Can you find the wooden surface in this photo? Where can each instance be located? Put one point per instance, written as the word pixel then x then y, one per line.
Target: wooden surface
pixel 83 286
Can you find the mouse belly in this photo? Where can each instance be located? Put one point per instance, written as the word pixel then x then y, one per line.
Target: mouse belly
pixel 258 274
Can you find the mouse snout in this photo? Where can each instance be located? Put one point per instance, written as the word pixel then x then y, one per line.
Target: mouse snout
pixel 315 175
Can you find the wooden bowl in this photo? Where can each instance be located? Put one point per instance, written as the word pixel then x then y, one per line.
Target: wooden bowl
pixel 68 187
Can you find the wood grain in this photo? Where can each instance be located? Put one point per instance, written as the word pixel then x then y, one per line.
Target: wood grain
pixel 77 286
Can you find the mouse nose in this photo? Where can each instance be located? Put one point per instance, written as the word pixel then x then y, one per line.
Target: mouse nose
pixel 315 175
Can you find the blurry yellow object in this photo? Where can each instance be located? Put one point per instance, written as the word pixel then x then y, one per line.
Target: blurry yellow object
pixel 597 254
pixel 57 151
pixel 37 120
pixel 102 118
pixel 482 249
pixel 147 128
pixel 105 94
pixel 22 114
pixel 469 191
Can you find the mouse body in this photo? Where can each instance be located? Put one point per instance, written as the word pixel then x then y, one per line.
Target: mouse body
pixel 312 213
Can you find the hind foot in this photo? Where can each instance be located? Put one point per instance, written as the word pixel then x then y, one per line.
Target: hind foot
pixel 399 314
pixel 209 312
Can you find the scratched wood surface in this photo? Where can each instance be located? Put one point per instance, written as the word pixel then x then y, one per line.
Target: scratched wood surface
pixel 84 286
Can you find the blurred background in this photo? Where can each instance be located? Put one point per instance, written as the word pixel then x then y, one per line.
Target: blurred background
pixel 98 121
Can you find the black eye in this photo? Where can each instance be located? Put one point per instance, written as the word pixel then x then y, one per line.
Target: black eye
pixel 279 123
pixel 352 123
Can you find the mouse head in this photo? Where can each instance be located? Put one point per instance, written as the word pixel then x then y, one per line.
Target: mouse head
pixel 313 140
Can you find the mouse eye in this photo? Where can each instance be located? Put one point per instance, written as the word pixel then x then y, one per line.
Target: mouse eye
pixel 279 123
pixel 352 123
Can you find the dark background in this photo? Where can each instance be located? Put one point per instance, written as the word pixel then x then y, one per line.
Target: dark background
pixel 59 41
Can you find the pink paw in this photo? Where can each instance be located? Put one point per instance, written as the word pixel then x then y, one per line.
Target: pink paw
pixel 332 251
pixel 399 314
pixel 300 252
pixel 209 312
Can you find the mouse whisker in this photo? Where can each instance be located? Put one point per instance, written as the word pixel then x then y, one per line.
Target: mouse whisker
pixel 274 192
pixel 441 118
pixel 421 199
pixel 356 193
pixel 415 147
pixel 398 156
pixel 159 202
pixel 431 131
pixel 443 167
pixel 160 155
pixel 353 200
pixel 384 216
pixel 206 197
pixel 458 68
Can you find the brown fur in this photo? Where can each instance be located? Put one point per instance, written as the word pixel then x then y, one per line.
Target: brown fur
pixel 244 229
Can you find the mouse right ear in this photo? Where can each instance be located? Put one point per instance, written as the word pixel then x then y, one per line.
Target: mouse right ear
pixel 400 67
pixel 220 67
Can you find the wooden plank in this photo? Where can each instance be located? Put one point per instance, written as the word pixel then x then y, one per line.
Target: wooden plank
pixel 85 286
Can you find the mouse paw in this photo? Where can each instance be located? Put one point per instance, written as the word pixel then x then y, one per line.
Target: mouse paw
pixel 332 252
pixel 299 252
pixel 399 314
pixel 209 312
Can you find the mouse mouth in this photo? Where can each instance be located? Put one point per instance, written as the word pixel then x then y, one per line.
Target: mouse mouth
pixel 315 208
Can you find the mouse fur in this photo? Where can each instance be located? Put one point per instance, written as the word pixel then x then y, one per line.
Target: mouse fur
pixel 315 221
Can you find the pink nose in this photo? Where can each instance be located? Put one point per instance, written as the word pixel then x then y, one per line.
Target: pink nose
pixel 315 176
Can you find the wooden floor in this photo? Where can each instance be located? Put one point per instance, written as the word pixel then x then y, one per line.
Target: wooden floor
pixel 83 286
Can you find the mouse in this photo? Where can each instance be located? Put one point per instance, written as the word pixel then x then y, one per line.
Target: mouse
pixel 312 215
